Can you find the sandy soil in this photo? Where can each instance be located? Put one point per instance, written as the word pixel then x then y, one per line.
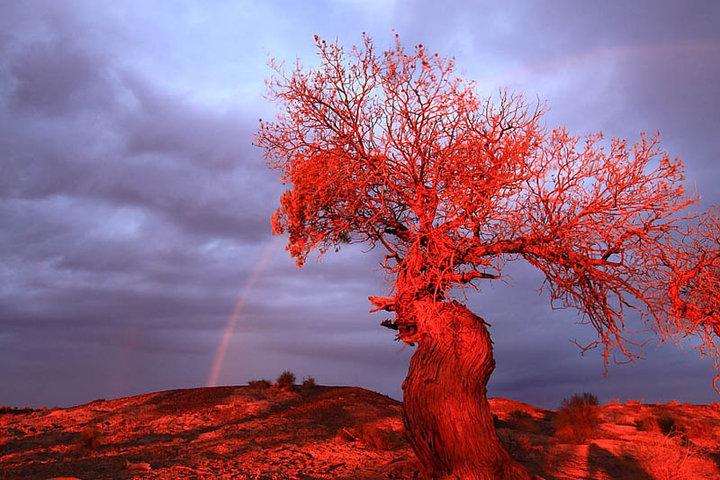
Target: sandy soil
pixel 333 433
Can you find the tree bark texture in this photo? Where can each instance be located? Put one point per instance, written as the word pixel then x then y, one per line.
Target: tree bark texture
pixel 446 412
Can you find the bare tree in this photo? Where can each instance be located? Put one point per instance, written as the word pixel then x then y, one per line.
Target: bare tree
pixel 395 150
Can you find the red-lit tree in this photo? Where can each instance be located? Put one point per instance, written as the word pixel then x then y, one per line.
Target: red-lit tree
pixel 690 278
pixel 396 150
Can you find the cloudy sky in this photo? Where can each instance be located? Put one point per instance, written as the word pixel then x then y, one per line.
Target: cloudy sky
pixel 134 209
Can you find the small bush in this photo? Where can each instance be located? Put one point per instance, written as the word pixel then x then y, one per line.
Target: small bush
pixel 260 384
pixel 667 424
pixel 648 423
pixel 584 398
pixel 577 418
pixel 701 432
pixel 664 422
pixel 522 420
pixel 520 415
pixel 286 380
pixel 309 382
pixel 666 457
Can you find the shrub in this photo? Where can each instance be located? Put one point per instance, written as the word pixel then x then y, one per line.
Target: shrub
pixel 286 380
pixel 584 398
pixel 666 457
pixel 648 423
pixel 520 415
pixel 664 421
pixel 701 432
pixel 577 418
pixel 309 382
pixel 667 424
pixel 522 420
pixel 260 384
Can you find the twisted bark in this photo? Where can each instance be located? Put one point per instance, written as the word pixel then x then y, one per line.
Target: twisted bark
pixel 446 412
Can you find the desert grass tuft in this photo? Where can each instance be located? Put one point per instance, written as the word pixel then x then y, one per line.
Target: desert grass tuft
pixel 260 384
pixel 577 419
pixel 308 383
pixel 286 380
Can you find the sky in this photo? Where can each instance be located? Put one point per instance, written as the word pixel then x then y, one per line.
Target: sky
pixel 135 240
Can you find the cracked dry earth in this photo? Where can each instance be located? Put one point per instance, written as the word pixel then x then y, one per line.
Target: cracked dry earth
pixel 332 433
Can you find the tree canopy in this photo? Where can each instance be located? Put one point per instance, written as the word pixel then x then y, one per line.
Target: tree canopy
pixel 397 150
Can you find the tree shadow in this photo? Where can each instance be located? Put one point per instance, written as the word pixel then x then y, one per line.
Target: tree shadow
pixel 616 467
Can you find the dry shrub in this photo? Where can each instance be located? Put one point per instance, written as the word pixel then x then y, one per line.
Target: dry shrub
pixel 381 437
pixel 647 423
pixel 616 414
pixel 309 382
pixel 666 457
pixel 520 416
pixel 286 380
pixel 522 420
pixel 577 418
pixel 700 432
pixel 260 384
pixel 667 424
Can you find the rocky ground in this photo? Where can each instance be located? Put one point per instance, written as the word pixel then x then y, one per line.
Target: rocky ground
pixel 337 433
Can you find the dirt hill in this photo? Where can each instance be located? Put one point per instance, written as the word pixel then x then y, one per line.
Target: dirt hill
pixel 337 433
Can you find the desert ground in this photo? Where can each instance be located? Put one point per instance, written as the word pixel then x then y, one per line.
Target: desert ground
pixel 323 432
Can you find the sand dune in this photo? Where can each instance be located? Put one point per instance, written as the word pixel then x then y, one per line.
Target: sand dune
pixel 334 433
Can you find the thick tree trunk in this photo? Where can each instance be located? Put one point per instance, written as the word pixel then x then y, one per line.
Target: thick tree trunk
pixel 446 412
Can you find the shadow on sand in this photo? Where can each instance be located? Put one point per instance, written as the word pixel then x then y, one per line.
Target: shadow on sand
pixel 601 461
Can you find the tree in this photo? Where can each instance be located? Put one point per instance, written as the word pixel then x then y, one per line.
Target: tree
pixel 396 151
pixel 690 279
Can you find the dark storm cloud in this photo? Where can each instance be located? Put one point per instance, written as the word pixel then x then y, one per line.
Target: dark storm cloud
pixel 54 79
pixel 164 123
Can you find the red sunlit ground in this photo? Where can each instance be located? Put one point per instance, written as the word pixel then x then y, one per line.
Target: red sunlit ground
pixel 334 433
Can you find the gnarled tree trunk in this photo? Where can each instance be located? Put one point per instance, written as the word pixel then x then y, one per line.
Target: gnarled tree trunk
pixel 446 412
